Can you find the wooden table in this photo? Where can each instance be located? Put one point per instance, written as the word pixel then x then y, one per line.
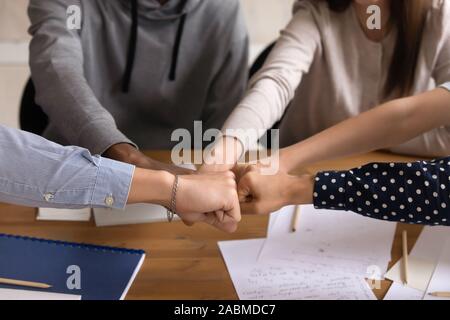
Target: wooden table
pixel 181 262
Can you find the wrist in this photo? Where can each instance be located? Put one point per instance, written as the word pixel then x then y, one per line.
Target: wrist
pixel 164 184
pixel 287 160
pixel 151 186
pixel 300 190
pixel 225 153
pixel 284 161
pixel 291 158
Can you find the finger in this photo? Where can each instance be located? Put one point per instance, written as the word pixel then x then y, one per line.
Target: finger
pixel 244 190
pixel 239 171
pixel 190 219
pixel 242 170
pixel 211 219
pixel 188 223
pixel 229 226
pixel 233 208
pixel 220 214
pixel 253 168
pixel 230 174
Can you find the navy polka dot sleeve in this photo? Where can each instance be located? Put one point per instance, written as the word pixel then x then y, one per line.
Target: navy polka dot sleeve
pixel 416 193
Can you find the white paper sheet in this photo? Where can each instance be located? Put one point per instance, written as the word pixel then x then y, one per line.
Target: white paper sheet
pixel 133 214
pixel 262 281
pixel 273 217
pixel 344 239
pixel 13 294
pixel 398 291
pixel 430 243
pixel 440 281
pixel 423 258
pixel 419 273
pixel 272 230
pixel 52 214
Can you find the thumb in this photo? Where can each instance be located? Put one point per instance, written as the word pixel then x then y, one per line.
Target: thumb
pixel 244 189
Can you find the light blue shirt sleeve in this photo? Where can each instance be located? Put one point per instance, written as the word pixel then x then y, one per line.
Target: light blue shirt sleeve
pixel 38 173
pixel 446 86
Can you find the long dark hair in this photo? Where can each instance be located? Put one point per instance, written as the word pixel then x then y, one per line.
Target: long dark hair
pixel 409 16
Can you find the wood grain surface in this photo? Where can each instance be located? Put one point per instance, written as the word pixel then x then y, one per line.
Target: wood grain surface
pixel 181 262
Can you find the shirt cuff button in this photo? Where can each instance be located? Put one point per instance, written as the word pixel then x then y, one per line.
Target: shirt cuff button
pixel 109 201
pixel 48 197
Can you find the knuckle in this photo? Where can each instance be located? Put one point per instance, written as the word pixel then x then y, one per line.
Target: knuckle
pixel 231 183
pixel 231 193
pixel 245 179
pixel 252 177
pixel 230 174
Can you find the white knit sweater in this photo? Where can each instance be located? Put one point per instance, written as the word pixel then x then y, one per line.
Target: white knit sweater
pixel 326 70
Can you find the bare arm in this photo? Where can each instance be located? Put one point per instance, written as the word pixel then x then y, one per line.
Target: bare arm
pixel 218 207
pixel 388 125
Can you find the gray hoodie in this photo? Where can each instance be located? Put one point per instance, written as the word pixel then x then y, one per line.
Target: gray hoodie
pixel 136 70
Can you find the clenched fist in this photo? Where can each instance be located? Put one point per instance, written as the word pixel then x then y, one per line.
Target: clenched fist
pixel 211 198
pixel 263 194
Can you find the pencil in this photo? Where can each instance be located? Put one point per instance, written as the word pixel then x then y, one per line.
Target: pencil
pixel 405 256
pixel 295 219
pixel 440 294
pixel 24 283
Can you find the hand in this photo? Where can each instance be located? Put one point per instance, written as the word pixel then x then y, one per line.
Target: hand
pixel 240 170
pixel 266 166
pixel 223 156
pixel 125 152
pixel 263 194
pixel 209 198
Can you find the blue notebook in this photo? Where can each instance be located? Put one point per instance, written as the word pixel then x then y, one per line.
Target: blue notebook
pixel 106 273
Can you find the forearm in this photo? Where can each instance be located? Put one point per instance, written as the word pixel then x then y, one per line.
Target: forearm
pixel 298 190
pixel 38 173
pixel 149 186
pixel 274 86
pixel 223 154
pixel 388 125
pixel 76 113
pixel 412 193
pixel 56 63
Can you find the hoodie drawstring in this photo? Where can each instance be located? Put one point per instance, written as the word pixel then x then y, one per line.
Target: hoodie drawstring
pixel 131 47
pixel 133 43
pixel 176 48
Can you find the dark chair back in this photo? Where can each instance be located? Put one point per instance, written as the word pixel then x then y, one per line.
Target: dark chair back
pixel 260 60
pixel 32 118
